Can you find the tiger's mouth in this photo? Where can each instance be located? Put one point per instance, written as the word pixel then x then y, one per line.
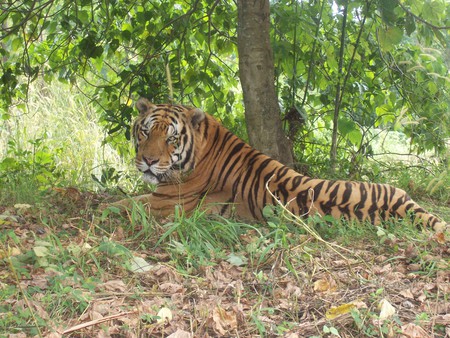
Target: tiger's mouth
pixel 156 178
pixel 150 177
pixel 156 175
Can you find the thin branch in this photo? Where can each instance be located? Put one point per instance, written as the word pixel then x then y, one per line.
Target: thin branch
pixel 333 151
pixel 418 18
pixel 97 321
pixel 347 75
pixel 313 50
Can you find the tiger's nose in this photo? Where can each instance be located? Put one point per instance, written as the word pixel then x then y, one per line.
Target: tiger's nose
pixel 149 161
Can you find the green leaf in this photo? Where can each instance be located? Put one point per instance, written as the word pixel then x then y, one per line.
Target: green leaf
pixel 139 264
pixel 237 260
pixel 410 25
pixel 40 251
pixel 388 12
pixel 390 38
pixel 16 44
pixel 433 10
pixel 83 16
pixel 345 126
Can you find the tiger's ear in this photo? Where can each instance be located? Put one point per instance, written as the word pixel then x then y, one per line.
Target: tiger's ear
pixel 144 105
pixel 197 115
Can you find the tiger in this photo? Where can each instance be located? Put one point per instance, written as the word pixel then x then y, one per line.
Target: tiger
pixel 195 161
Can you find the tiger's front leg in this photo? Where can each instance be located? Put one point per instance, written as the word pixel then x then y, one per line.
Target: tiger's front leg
pixel 128 203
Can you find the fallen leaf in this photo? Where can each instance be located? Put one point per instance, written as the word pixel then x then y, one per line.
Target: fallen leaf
pixel 180 334
pixel 17 335
pixel 386 309
pixel 237 260
pixel 115 285
pixel 337 311
pixel 439 237
pixel 422 297
pixel 165 315
pixel 40 251
pixel 9 252
pixel 170 288
pixel 22 206
pixel 442 319
pixel 412 330
pixel 291 335
pixel 407 293
pixel 139 264
pixel 224 321
pixel 324 285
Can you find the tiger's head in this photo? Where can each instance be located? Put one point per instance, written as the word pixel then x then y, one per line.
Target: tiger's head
pixel 165 140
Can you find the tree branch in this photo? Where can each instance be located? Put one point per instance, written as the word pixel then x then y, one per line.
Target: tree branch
pixel 418 18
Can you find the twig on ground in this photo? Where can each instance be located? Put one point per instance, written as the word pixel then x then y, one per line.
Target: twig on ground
pixel 97 321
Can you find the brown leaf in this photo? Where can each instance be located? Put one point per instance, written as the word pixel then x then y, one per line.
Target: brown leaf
pixel 164 273
pixel 170 288
pixel 439 237
pixel 325 285
pixel 225 321
pixel 292 290
pixel 411 330
pixel 115 285
pixel 39 281
pixel 378 270
pixel 411 251
pixel 407 293
pixel 442 319
pixel 180 334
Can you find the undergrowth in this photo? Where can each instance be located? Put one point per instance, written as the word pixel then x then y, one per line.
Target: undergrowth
pixel 60 269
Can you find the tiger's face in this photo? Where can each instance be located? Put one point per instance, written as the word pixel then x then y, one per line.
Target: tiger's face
pixel 164 139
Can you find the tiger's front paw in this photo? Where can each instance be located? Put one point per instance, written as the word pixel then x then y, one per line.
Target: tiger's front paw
pixel 115 207
pixel 126 205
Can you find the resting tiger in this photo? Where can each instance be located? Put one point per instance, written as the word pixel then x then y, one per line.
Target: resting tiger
pixel 194 160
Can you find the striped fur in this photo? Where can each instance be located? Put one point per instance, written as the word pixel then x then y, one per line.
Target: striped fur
pixel 194 158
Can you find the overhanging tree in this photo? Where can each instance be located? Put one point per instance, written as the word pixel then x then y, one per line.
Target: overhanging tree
pixel 394 65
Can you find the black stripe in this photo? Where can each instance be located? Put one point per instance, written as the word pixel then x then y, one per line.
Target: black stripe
pixel 373 205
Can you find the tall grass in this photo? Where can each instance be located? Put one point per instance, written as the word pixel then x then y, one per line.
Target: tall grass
pixel 58 129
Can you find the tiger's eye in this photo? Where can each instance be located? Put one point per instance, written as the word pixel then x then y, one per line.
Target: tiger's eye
pixel 173 140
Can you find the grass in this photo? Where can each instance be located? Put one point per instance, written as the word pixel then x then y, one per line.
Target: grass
pixel 55 139
pixel 64 263
pixel 213 275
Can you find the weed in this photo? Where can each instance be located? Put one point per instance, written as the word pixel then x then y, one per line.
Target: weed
pixel 56 140
pixel 196 240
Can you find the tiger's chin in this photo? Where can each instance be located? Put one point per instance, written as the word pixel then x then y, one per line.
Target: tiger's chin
pixel 151 178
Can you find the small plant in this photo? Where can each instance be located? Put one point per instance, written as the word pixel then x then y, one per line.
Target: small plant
pixel 198 238
pixel 27 170
pixel 331 330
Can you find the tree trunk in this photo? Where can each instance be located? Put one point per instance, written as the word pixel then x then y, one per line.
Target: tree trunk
pixel 256 71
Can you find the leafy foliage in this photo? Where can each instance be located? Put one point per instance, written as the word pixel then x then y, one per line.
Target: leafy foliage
pixel 395 74
pixel 114 51
pixel 361 66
